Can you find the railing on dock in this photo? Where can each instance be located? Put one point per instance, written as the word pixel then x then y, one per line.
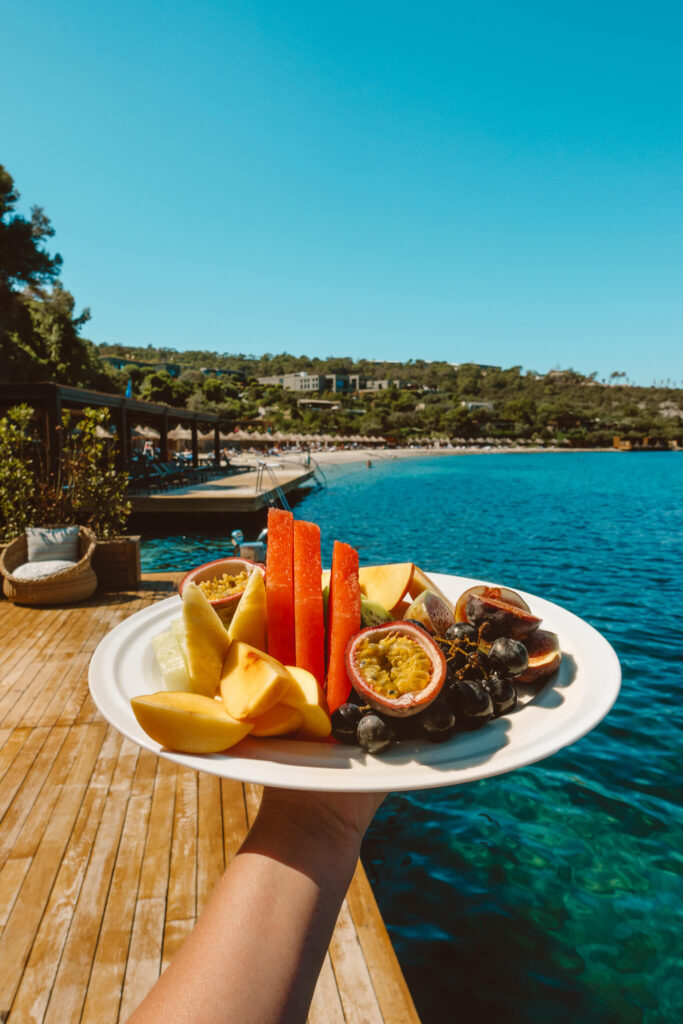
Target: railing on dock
pixel 265 467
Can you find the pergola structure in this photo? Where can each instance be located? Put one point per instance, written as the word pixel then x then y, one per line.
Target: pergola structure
pixel 50 400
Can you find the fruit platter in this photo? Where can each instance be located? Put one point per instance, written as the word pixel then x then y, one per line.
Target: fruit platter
pixel 368 678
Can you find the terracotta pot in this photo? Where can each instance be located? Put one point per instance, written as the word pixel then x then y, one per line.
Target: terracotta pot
pixel 117 563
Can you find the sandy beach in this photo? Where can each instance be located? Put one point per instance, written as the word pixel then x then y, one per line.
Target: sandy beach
pixel 340 457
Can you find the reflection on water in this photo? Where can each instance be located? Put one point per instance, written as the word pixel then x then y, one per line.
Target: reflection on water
pixel 551 894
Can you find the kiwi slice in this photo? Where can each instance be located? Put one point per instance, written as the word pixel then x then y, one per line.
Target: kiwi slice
pixel 372 613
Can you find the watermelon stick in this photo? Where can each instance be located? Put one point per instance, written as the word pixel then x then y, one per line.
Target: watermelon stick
pixel 343 620
pixel 280 585
pixel 309 624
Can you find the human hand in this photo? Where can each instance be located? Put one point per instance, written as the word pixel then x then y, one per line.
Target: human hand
pixel 341 815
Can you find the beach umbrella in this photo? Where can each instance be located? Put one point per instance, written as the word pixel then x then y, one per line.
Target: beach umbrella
pixel 180 434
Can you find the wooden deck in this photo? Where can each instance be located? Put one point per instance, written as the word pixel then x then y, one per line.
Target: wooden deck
pixel 242 492
pixel 107 853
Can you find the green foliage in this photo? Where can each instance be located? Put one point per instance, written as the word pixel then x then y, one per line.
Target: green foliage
pixel 16 475
pixel 87 488
pixel 96 489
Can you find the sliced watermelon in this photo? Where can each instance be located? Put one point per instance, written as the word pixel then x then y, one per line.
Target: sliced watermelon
pixel 280 585
pixel 343 621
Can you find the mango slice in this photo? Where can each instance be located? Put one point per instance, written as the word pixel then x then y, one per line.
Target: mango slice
pixel 171 661
pixel 188 722
pixel 252 682
pixel 307 696
pixel 278 721
pixel 206 640
pixel 249 621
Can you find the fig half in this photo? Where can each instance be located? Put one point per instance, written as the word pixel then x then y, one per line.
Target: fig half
pixel 434 614
pixel 544 656
pixel 396 668
pixel 484 590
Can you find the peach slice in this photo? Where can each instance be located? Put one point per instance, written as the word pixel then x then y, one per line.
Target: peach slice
pixel 188 722
pixel 277 721
pixel 306 696
pixel 252 682
pixel 421 582
pixel 386 584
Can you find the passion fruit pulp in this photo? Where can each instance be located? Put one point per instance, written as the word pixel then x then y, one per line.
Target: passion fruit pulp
pixel 396 668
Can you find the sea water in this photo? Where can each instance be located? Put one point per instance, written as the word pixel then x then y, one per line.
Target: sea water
pixel 552 894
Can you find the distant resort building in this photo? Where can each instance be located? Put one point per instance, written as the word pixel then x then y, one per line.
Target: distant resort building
pixel 338 383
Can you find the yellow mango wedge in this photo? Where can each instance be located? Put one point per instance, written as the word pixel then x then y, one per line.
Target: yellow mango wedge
pixel 249 621
pixel 188 722
pixel 307 696
pixel 252 682
pixel 206 641
pixel 278 721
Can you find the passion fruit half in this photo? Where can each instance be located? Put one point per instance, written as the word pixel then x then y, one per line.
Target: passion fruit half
pixel 223 582
pixel 396 668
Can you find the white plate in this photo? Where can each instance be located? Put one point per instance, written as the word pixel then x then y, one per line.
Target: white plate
pixel 571 703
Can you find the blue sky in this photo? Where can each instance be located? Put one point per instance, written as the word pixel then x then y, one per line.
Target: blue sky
pixel 492 182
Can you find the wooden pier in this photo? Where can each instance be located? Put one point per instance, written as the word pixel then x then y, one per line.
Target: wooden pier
pixel 108 853
pixel 243 492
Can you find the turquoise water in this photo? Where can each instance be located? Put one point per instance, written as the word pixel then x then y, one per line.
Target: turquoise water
pixel 552 894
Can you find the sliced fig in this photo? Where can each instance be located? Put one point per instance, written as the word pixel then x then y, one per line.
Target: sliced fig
pixel 396 668
pixel 434 614
pixel 484 590
pixel 544 656
pixel 499 618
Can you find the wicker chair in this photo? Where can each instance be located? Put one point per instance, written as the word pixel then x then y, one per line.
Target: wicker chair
pixel 73 584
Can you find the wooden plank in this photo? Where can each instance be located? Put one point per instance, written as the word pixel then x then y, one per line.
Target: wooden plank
pixel 13 778
pixel 11 879
pixel 70 984
pixel 18 935
pixel 175 933
pixel 181 904
pixel 388 982
pixel 252 800
pixel 234 817
pixel 25 821
pixel 210 856
pixel 144 955
pixel 352 975
pixel 326 1007
pixel 36 984
pixel 106 978
pixel 11 747
pixel 157 856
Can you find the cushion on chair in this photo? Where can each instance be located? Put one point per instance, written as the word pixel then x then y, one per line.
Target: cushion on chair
pixel 39 570
pixel 60 543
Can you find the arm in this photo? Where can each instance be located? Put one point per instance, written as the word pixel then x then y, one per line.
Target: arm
pixel 257 949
